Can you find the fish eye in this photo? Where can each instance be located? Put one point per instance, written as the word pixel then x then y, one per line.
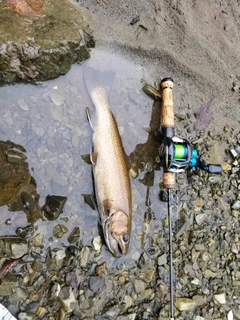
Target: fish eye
pixel 125 238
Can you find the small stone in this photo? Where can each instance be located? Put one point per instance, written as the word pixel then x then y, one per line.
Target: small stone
pixel 40 312
pixel 184 304
pixel 61 314
pixel 23 105
pixel 236 205
pixel 198 318
pixel 101 270
pixel 196 281
pixel 200 218
pixel 67 299
pixel 234 153
pixel 138 285
pixel 97 243
pixel 59 230
pixel 58 256
pixel 162 259
pixel 219 298
pixel 200 299
pixel 209 274
pixel 37 266
pixel 97 284
pixel 55 290
pixel 74 235
pixel 226 166
pixel 9 282
pixel 133 173
pixel 26 316
pixel 75 140
pixel 38 240
pixel 56 98
pixel 230 315
pixel 234 248
pixel 84 256
pixel 146 294
pixel 14 247
pixel 38 131
pixel 214 179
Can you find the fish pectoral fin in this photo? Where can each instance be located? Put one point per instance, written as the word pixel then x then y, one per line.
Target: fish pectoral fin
pixel 93 157
pixel 89 116
pixel 106 204
pixel 86 158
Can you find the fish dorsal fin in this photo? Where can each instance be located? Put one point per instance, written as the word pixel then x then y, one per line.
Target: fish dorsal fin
pixel 93 157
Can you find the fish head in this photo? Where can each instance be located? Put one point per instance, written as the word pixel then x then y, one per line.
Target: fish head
pixel 117 229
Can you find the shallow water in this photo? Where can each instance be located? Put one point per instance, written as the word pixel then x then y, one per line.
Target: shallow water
pixel 49 121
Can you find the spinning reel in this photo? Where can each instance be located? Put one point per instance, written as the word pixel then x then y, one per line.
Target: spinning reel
pixel 176 154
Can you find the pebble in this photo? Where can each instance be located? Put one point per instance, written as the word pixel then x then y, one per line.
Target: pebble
pixel 162 259
pixel 22 104
pixel 200 299
pixel 26 316
pixel 55 290
pixel 97 243
pixel 56 98
pixel 59 230
pixel 200 218
pixel 138 285
pixel 37 130
pixel 84 256
pixel 219 298
pixel 40 312
pixel 184 304
pixel 236 205
pixel 38 240
pixel 230 315
pixel 67 299
pixel 58 256
pixel 9 282
pixel 226 166
pixel 18 249
pixel 214 179
pixel 97 284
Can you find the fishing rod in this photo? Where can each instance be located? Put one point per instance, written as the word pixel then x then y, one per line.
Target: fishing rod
pixel 177 155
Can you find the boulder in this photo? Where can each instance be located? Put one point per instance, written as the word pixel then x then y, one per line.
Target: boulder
pixel 41 46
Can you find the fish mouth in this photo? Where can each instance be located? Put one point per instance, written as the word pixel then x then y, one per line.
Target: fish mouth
pixel 116 240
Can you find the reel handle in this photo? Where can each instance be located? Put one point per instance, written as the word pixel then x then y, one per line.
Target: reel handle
pixel 167 125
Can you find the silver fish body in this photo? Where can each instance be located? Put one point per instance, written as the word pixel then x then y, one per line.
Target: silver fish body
pixel 110 170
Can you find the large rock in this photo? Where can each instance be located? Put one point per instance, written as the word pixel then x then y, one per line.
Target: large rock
pixel 41 46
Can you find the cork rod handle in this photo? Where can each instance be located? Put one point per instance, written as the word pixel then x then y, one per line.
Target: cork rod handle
pixel 167 125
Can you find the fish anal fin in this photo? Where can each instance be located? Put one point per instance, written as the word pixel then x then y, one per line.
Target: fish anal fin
pixel 93 157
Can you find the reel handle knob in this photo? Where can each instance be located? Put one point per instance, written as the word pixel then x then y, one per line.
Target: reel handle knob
pixel 214 168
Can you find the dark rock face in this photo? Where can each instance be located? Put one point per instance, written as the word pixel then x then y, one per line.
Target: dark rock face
pixel 42 46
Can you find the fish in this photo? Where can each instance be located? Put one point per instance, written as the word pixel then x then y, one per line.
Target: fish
pixel 110 170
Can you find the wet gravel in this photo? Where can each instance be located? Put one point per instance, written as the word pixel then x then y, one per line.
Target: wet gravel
pixel 68 272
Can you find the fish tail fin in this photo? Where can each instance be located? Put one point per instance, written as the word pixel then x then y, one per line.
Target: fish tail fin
pixel 95 79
